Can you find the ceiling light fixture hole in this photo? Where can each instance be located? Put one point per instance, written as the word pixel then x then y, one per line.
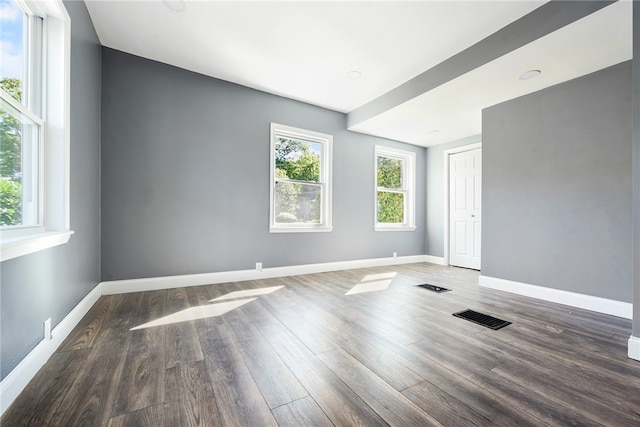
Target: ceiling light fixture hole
pixel 354 75
pixel 531 74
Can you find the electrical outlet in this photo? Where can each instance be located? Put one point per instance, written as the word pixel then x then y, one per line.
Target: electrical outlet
pixel 47 329
pixel 259 266
pixel 395 254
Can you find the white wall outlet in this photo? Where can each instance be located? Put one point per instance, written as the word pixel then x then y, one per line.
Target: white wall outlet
pixel 395 254
pixel 259 266
pixel 47 329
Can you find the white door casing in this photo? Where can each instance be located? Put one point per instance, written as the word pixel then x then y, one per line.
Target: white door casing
pixel 465 213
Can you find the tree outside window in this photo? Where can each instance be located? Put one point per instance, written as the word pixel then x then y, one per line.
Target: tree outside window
pixel 391 206
pixel 395 189
pixel 298 188
pixel 10 159
pixel 301 186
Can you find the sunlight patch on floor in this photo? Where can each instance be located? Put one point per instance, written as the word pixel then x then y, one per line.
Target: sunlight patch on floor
pixel 371 277
pixel 373 283
pixel 361 288
pixel 195 313
pixel 247 293
pixel 213 310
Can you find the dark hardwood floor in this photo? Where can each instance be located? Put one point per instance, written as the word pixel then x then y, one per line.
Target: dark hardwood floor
pixel 307 354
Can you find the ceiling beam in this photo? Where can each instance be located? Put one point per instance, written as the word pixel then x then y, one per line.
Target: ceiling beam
pixel 544 20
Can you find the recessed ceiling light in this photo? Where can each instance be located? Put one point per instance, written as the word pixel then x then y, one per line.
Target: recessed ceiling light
pixel 434 132
pixel 531 74
pixel 354 75
pixel 175 5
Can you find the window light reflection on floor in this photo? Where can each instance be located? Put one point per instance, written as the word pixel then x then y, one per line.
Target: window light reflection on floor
pixel 195 313
pixel 247 293
pixel 372 283
pixel 213 310
pixel 371 277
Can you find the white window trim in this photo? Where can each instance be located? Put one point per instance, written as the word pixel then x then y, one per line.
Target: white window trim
pixel 55 229
pixel 326 172
pixel 409 176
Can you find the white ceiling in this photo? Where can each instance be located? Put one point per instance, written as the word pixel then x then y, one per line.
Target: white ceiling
pixel 305 50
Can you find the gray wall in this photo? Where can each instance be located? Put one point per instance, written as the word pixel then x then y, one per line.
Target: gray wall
pixel 435 193
pixel 50 283
pixel 185 184
pixel 557 186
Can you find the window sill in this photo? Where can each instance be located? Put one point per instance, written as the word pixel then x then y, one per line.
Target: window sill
pixel 394 228
pixel 300 229
pixel 24 245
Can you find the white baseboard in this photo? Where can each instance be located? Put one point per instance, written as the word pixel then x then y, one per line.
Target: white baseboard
pixel 634 347
pixel 168 282
pixel 588 302
pixel 13 384
pixel 434 259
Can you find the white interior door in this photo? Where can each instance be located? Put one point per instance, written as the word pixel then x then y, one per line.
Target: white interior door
pixel 465 214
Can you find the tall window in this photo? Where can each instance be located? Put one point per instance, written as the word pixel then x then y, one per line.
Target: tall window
pixel 20 116
pixel 395 189
pixel 300 180
pixel 34 139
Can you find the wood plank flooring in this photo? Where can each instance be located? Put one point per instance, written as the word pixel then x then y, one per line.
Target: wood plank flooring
pixel 309 355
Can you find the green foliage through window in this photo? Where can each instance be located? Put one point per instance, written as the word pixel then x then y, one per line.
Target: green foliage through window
pixel 10 159
pixel 389 172
pixel 298 188
pixel 300 160
pixel 390 207
pixel 390 204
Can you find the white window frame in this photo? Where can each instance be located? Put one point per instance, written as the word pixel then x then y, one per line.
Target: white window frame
pixel 326 179
pixel 408 159
pixel 54 225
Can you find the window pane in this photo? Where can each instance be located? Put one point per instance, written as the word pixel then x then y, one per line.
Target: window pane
pixel 390 207
pixel 18 168
pixel 12 48
pixel 389 172
pixel 297 203
pixel 298 159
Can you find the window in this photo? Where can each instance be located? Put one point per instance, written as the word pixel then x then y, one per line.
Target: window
pixel 34 126
pixel 300 180
pixel 395 189
pixel 19 166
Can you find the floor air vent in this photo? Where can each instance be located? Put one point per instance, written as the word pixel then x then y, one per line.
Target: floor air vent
pixel 482 319
pixel 434 288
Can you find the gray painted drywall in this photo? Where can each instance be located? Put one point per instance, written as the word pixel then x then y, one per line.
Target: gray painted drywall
pixel 51 282
pixel 636 168
pixel 185 187
pixel 435 193
pixel 542 21
pixel 557 186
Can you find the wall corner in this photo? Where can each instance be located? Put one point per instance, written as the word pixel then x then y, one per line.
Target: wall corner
pixel 634 348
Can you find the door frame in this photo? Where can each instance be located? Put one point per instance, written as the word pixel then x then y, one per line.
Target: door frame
pixel 447 157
